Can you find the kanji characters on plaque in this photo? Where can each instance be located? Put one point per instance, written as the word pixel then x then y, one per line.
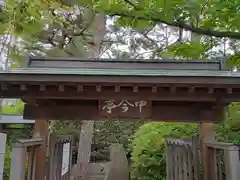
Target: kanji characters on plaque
pixel 125 105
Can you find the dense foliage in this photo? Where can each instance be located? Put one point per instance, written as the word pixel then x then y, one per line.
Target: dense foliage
pixel 105 132
pixel 229 130
pixel 197 16
pixel 210 19
pixel 116 132
pixel 65 27
pixel 148 160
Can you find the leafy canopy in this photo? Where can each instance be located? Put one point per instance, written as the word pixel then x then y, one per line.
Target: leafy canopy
pixel 212 20
pixel 45 27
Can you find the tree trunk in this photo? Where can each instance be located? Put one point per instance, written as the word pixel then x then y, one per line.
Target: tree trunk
pixel 86 134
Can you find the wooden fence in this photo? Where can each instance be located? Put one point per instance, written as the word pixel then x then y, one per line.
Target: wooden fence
pixel 182 159
pixel 59 165
pixel 223 161
pixel 24 159
pixel 60 158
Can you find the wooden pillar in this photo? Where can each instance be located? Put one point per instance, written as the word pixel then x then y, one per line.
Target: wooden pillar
pixel 41 130
pixel 207 133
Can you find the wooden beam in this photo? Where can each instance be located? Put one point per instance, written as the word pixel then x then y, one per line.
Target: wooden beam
pixel 207 132
pixel 186 112
pixel 15 78
pixel 41 130
pixel 79 88
pixel 130 92
pixel 160 111
pixel 99 89
pixel 74 112
pixel 135 89
pixel 120 94
pixel 154 89
pixel 42 87
pixel 117 89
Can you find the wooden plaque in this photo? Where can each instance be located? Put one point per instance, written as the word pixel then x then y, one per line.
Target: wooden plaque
pixel 125 109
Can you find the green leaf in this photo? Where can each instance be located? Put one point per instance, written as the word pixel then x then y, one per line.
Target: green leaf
pixel 189 50
pixel 234 60
pixel 3 28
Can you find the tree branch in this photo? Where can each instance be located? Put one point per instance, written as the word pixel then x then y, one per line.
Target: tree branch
pixel 131 4
pixel 183 25
pixel 150 39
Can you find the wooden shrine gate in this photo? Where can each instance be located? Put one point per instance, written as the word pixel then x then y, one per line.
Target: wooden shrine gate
pixel 101 89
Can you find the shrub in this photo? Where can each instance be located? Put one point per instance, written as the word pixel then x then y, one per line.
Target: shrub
pixel 148 160
pixel 228 131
